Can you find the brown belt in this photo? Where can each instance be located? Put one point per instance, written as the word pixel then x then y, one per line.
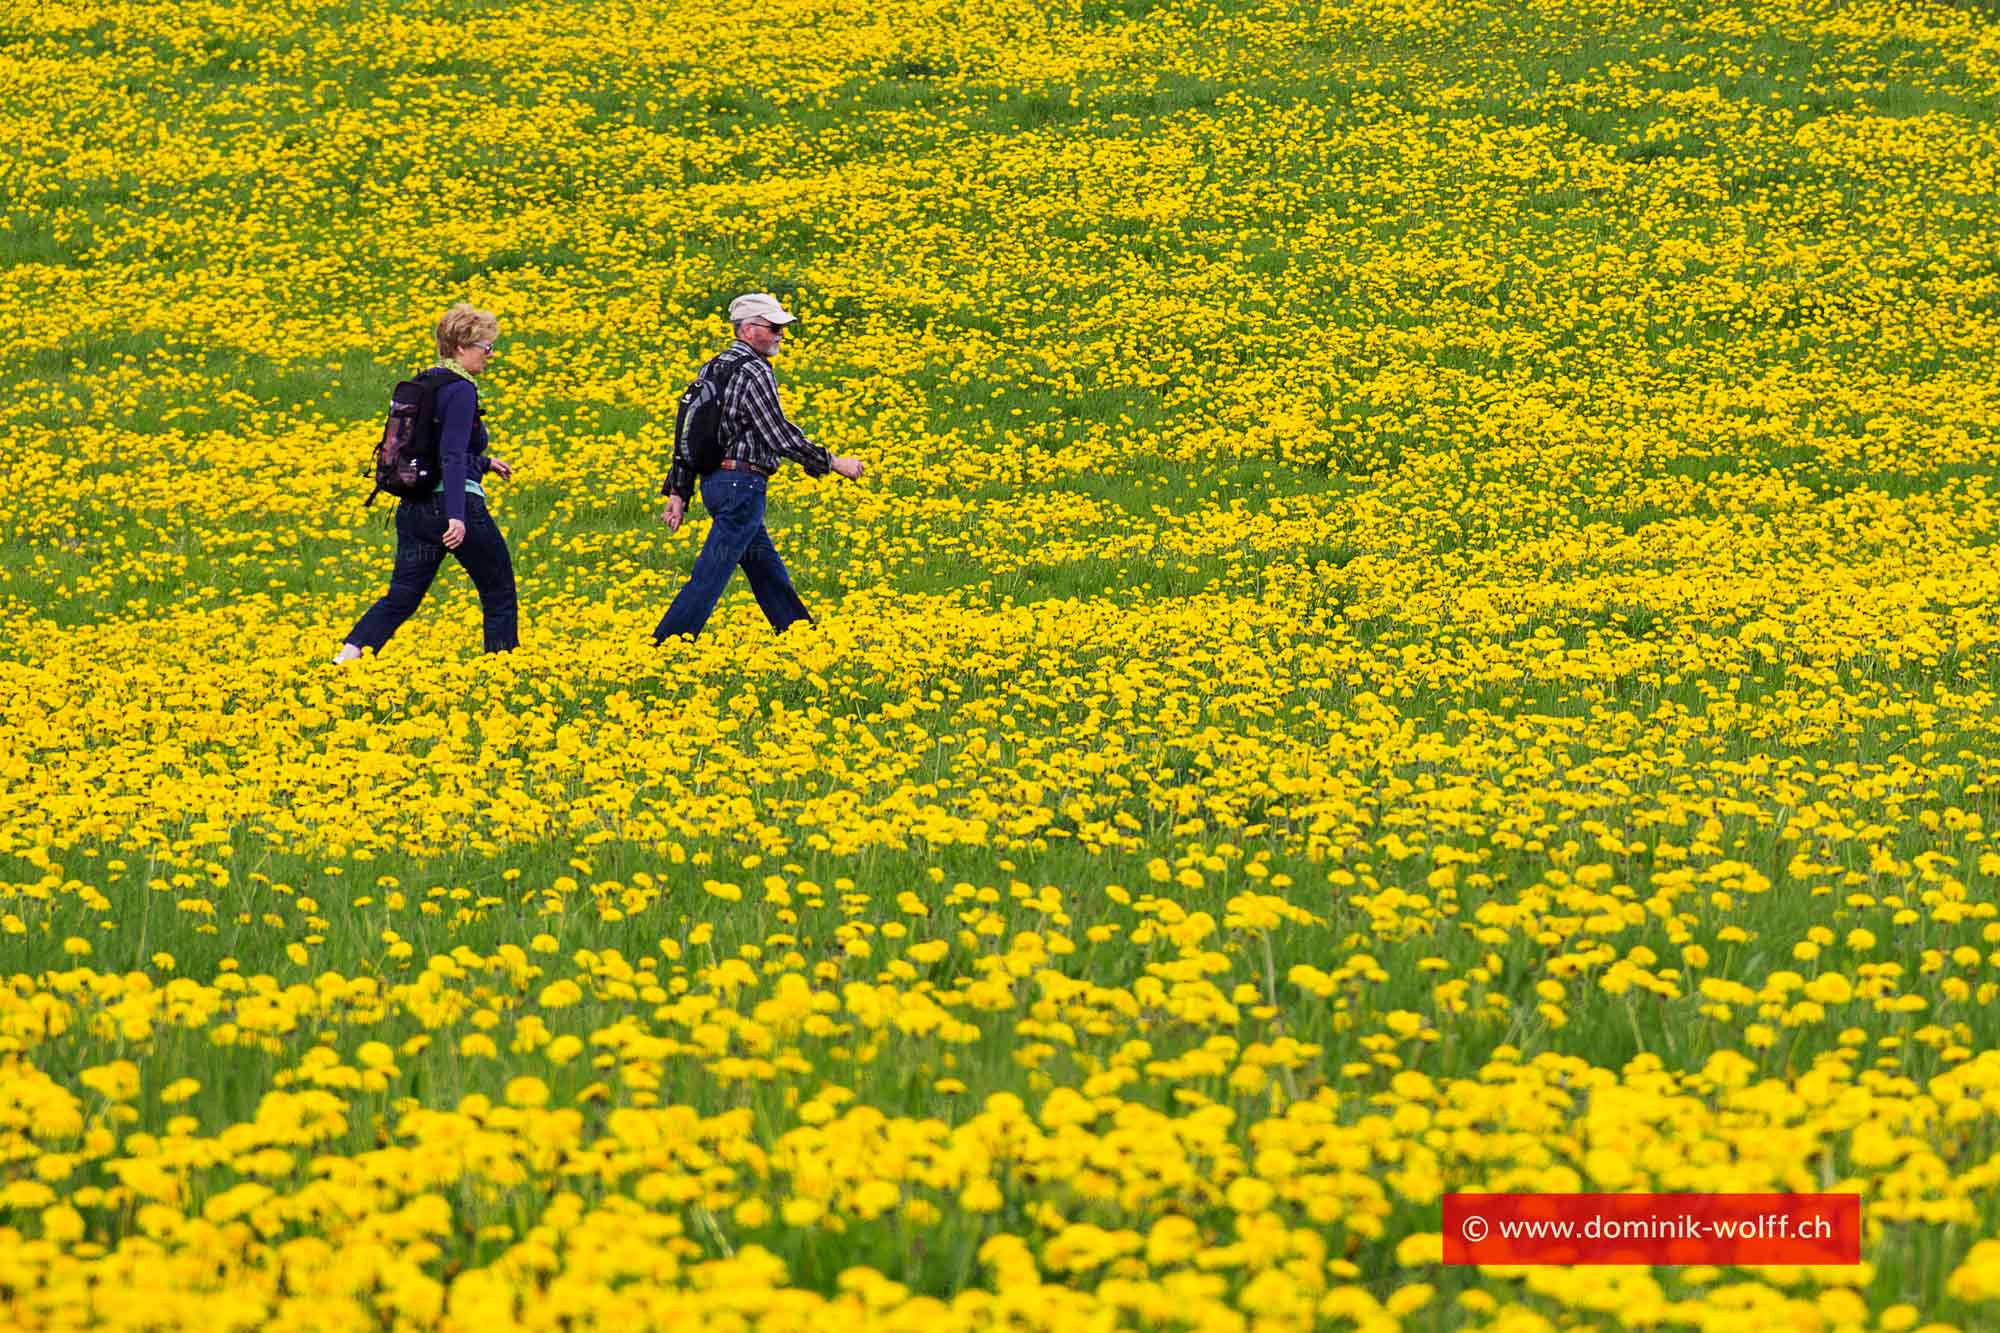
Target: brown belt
pixel 734 465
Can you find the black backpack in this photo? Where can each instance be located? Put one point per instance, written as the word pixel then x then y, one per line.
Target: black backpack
pixel 406 459
pixel 698 423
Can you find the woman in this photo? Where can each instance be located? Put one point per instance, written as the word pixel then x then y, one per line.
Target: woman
pixel 453 517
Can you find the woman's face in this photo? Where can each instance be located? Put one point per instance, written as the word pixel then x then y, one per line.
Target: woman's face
pixel 474 356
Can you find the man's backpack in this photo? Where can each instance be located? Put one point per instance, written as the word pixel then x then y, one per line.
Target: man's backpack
pixel 698 423
pixel 406 460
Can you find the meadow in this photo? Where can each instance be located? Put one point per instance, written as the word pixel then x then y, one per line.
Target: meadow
pixel 1423 618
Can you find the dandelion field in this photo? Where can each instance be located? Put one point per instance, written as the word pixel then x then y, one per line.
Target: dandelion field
pixel 1423 617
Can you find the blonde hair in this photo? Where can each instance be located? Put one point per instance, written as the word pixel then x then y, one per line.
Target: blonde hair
pixel 463 325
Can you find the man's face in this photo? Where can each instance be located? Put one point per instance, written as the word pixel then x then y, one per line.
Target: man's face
pixel 763 338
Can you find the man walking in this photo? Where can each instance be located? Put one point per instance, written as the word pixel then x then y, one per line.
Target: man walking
pixel 755 439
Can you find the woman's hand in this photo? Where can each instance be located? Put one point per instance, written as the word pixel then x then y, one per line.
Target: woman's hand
pixel 501 466
pixel 454 533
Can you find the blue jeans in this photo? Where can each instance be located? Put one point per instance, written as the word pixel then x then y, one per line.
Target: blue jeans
pixel 420 550
pixel 736 536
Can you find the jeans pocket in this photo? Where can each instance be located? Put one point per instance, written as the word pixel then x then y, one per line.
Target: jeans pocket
pixel 721 494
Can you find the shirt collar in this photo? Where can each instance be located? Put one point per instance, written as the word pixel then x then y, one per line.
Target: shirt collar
pixel 458 370
pixel 738 342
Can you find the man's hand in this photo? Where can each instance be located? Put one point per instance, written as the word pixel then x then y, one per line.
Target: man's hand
pixel 503 468
pixel 675 511
pixel 454 533
pixel 850 468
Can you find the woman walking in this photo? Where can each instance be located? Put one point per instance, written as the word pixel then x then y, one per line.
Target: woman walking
pixel 453 517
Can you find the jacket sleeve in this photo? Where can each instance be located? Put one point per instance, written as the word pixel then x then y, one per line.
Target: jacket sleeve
pixel 455 404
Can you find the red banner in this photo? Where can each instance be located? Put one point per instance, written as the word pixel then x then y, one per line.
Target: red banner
pixel 1652 1228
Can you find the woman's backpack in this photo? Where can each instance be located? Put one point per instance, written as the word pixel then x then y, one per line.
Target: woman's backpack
pixel 406 459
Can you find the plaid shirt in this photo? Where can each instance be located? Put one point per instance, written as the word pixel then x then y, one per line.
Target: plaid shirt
pixel 754 427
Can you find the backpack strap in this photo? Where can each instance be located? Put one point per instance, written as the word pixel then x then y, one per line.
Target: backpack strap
pixel 728 367
pixel 438 379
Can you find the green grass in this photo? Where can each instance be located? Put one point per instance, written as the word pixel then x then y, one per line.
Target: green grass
pixel 1424 445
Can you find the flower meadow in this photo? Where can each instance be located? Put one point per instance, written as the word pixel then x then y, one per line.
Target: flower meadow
pixel 1423 617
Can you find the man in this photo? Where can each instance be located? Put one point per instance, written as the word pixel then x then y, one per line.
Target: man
pixel 755 439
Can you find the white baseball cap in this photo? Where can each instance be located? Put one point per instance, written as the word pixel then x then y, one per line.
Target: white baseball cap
pixel 758 305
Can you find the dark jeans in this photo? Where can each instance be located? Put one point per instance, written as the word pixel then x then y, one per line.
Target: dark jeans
pixel 420 550
pixel 736 536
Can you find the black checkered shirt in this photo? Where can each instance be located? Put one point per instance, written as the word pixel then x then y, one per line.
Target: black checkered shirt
pixel 754 427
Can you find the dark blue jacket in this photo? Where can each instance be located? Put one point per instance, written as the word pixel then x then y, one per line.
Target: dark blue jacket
pixel 461 442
